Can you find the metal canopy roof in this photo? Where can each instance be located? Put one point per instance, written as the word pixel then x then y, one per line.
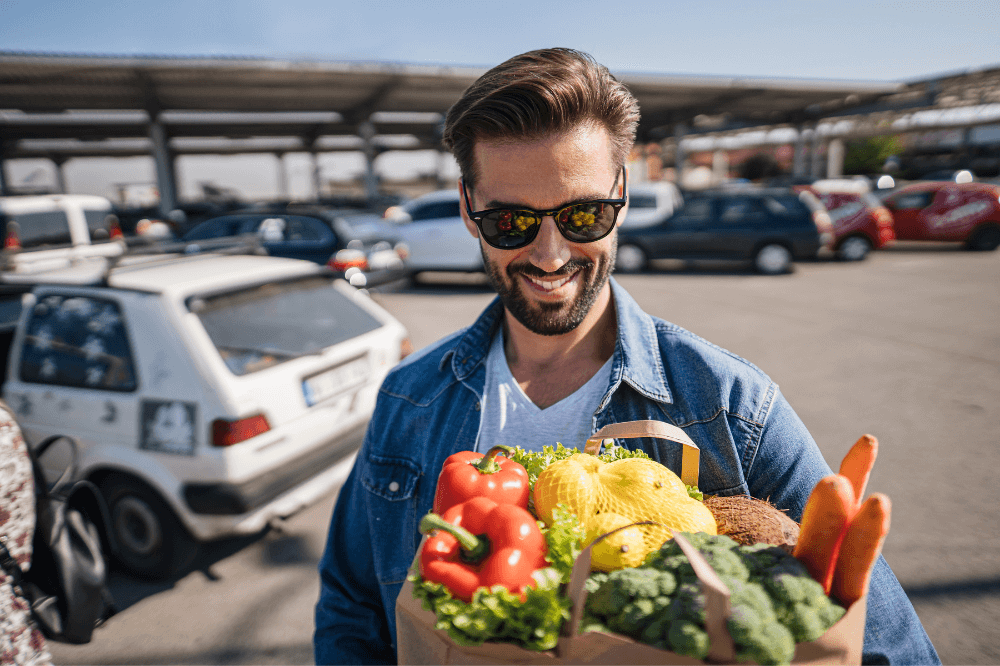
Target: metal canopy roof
pixel 72 105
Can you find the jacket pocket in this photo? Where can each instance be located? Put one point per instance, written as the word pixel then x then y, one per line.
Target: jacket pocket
pixel 391 485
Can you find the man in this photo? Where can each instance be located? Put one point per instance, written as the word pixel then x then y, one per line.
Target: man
pixel 541 141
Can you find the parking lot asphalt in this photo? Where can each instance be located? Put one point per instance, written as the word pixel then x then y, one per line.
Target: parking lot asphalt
pixel 904 345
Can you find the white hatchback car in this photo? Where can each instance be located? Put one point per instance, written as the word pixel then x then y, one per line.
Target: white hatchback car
pixel 650 202
pixel 432 230
pixel 211 393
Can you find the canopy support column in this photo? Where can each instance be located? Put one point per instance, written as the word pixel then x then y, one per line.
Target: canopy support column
pixel 166 180
pixel 801 155
pixel 835 159
pixel 680 130
pixel 282 176
pixel 60 173
pixel 366 131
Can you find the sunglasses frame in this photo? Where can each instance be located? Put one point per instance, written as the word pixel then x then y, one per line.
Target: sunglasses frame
pixel 478 216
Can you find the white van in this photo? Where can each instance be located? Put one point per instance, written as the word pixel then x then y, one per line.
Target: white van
pixel 45 230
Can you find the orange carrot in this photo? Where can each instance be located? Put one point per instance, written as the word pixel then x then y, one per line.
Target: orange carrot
pixel 824 522
pixel 857 466
pixel 860 548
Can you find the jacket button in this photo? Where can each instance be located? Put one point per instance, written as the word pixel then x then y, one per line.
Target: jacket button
pixel 393 487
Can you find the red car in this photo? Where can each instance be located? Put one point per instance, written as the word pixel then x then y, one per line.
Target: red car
pixel 946 211
pixel 861 222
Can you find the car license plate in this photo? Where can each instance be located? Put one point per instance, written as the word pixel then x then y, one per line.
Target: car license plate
pixel 335 381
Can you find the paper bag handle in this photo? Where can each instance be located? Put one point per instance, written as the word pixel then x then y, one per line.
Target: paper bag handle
pixel 627 429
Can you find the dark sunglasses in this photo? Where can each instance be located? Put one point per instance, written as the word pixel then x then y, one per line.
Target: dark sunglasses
pixel 584 222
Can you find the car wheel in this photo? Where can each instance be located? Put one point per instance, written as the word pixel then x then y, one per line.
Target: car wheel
pixel 984 239
pixel 630 259
pixel 151 542
pixel 773 259
pixel 854 248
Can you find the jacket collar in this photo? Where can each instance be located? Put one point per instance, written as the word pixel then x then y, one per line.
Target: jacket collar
pixel 637 359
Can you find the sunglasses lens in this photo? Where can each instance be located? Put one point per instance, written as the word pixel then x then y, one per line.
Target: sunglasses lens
pixel 510 228
pixel 586 222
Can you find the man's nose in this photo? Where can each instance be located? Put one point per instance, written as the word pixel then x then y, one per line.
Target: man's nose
pixel 550 250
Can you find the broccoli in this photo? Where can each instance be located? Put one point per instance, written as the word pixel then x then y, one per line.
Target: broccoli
pixel 594 581
pixel 772 643
pixel 688 638
pixel 774 603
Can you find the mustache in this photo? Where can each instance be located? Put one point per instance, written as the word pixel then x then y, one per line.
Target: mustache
pixel 530 270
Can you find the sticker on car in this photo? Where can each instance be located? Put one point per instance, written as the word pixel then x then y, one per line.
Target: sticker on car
pixel 168 426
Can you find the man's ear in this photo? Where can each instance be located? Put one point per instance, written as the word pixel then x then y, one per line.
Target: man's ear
pixel 462 203
pixel 624 211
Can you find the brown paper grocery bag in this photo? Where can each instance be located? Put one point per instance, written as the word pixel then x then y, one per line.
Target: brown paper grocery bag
pixel 418 642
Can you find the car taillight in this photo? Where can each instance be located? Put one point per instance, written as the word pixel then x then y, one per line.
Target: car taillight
pixel 13 240
pixel 227 433
pixel 345 259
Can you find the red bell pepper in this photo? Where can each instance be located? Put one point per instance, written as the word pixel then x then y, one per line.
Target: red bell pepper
pixel 468 474
pixel 481 543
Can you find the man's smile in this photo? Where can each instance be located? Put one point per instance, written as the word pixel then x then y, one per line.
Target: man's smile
pixel 550 284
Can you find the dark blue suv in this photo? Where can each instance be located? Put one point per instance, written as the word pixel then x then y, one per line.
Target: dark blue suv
pixel 769 227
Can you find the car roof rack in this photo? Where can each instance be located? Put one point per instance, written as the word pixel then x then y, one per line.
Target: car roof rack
pixel 134 251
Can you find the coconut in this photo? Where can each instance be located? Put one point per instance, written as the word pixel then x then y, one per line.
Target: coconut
pixel 748 520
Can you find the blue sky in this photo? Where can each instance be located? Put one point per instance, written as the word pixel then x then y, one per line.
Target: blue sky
pixel 871 40
pixel 866 40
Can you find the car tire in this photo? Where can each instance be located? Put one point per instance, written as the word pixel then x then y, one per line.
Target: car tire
pixel 854 248
pixel 630 259
pixel 773 259
pixel 150 542
pixel 984 239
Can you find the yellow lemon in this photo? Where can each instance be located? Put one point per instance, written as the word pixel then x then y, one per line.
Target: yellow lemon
pixel 625 548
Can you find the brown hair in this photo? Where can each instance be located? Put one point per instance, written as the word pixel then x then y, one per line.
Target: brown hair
pixel 538 93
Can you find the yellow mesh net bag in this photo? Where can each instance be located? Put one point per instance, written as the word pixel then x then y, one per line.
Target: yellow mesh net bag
pixel 605 496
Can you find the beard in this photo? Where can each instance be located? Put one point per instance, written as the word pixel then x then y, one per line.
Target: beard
pixel 551 318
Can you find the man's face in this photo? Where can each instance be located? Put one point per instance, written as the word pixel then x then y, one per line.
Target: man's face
pixel 551 285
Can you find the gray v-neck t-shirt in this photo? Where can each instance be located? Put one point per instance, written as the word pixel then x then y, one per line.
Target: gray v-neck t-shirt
pixel 511 418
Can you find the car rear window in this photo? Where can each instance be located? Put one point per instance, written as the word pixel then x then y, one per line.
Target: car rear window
pixel 435 210
pixel 43 228
pixel 96 219
pixel 641 200
pixel 258 328
pixel 77 341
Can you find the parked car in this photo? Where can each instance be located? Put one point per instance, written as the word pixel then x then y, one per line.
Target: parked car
pixel 948 211
pixel 860 221
pixel 769 227
pixel 432 230
pixel 56 219
pixel 46 230
pixel 650 202
pixel 306 234
pixel 211 394
pixel 953 175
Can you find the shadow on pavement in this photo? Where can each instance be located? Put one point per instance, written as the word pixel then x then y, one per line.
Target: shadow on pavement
pixel 903 247
pixel 976 587
pixel 127 589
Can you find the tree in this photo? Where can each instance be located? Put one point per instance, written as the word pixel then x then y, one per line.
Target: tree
pixel 869 155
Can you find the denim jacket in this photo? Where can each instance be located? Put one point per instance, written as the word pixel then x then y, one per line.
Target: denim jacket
pixel 751 442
